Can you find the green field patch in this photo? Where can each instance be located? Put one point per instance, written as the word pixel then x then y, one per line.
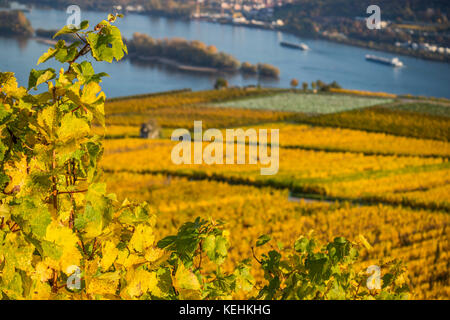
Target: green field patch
pixel 305 102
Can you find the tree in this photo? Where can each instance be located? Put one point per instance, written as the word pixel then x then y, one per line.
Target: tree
pixel 320 85
pixel 294 83
pixel 221 83
pixel 313 86
pixel 305 86
pixel 335 85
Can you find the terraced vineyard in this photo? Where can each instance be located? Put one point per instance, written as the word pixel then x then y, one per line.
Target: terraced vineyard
pixel 382 172
pixel 419 237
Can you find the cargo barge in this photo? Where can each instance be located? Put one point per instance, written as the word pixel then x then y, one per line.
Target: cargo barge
pixel 299 46
pixel 394 62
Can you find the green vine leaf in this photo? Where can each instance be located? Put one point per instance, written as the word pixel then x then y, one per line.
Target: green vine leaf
pixel 38 77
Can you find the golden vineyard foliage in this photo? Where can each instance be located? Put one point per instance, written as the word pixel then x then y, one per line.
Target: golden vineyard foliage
pixel 337 139
pixel 418 237
pixel 184 117
pixel 335 174
pixel 347 140
pixel 63 236
pixel 385 119
pixel 363 93
pixel 425 189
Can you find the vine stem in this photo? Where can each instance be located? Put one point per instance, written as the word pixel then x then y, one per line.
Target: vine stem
pixel 71 219
pixel 55 187
pixel 94 245
pixel 254 256
pixel 79 54
pixel 82 246
pixel 359 285
pixel 78 36
pixel 201 251
pixel 55 282
pixel 72 192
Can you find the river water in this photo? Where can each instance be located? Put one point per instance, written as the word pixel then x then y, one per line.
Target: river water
pixel 326 60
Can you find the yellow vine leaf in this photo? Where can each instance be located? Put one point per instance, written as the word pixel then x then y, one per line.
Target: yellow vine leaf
pixel 43 271
pixel 364 242
pixel 8 84
pixel 72 128
pixel 67 240
pixel 187 284
pixel 18 174
pixel 128 260
pixel 47 120
pixel 133 260
pixel 109 254
pixel 153 254
pixel 41 291
pixel 141 282
pixel 142 239
pixel 98 286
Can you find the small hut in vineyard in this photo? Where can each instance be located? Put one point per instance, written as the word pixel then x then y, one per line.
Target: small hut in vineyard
pixel 150 130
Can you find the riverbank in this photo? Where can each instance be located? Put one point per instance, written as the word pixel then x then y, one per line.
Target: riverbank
pixel 388 48
pixel 382 47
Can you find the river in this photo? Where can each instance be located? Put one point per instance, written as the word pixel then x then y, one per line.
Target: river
pixel 326 60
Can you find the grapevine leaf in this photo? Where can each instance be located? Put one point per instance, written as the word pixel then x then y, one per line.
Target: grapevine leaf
pixel 301 245
pixel 109 254
pixel 262 240
pixel 51 250
pixel 48 55
pixel 38 77
pixel 102 287
pixel 186 283
pixel 8 85
pixel 107 45
pixel 67 29
pixel 85 72
pixel 64 238
pixel 142 238
pixel 66 54
pixel 244 279
pixel 72 128
pixel 141 282
pixel 216 248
